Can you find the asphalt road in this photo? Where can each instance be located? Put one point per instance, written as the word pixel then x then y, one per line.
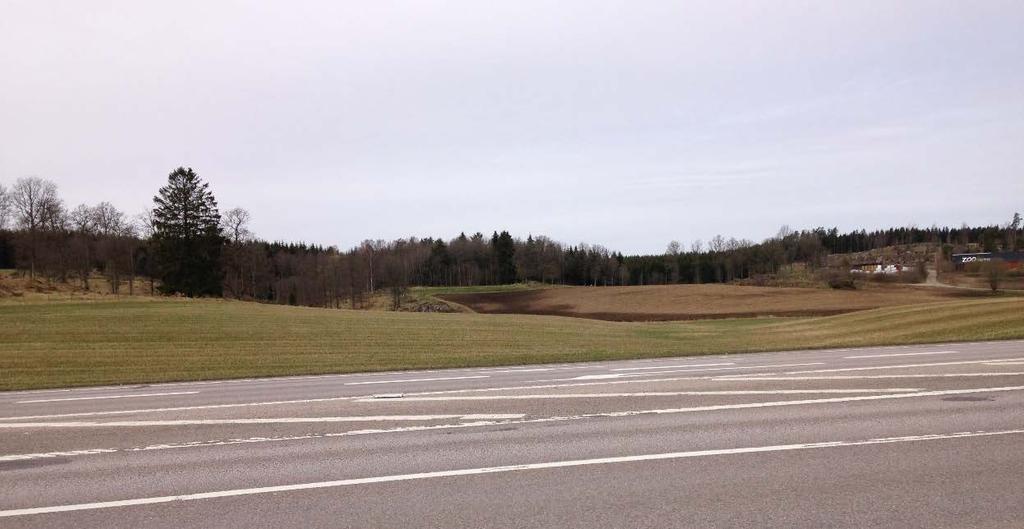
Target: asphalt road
pixel 923 436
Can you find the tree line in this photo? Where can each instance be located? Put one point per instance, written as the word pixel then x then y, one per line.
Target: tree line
pixel 185 245
pixel 42 237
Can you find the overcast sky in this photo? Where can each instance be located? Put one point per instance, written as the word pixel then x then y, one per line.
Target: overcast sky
pixel 627 124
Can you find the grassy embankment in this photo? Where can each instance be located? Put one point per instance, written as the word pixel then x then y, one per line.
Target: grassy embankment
pixel 695 302
pixel 134 341
pixel 417 296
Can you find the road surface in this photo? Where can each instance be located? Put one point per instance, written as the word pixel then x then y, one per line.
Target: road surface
pixel 922 436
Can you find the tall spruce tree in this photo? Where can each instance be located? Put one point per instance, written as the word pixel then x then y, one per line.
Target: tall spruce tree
pixel 504 248
pixel 187 237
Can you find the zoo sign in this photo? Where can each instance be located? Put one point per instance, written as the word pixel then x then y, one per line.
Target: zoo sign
pixel 975 258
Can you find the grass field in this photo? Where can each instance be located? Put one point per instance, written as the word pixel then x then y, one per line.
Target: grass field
pixel 695 302
pixel 134 341
pixel 1013 280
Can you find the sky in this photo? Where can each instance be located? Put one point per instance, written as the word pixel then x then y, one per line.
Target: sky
pixel 627 124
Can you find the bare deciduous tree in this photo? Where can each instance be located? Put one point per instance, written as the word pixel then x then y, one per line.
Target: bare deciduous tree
pixel 83 223
pixel 672 261
pixel 145 226
pixel 5 207
pixel 370 249
pixel 34 200
pixel 696 249
pixel 235 224
pixel 82 219
pixel 117 246
pixel 109 221
pixel 238 257
pixel 717 244
pixel 143 223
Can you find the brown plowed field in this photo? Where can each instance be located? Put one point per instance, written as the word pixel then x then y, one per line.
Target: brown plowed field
pixel 694 302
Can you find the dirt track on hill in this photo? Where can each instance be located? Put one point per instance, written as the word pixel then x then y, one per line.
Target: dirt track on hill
pixel 693 302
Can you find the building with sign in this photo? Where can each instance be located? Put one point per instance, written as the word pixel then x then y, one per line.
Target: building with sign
pixel 1013 259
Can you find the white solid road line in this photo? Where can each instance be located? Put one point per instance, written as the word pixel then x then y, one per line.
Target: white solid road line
pixel 668 370
pixel 552 386
pixel 673 367
pixel 397 381
pixel 755 378
pixel 496 470
pixel 278 420
pixel 647 394
pixel 68 453
pixel 37 401
pixel 31 392
pixel 902 366
pixel 902 354
pixel 781 403
pixel 514 371
pixel 728 378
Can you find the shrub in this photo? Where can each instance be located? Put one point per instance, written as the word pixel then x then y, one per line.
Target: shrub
pixel 839 278
pixel 994 272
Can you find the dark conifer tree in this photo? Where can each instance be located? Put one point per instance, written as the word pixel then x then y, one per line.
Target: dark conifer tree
pixel 187 236
pixel 504 248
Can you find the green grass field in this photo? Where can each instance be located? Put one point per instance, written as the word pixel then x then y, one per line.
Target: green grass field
pixel 87 343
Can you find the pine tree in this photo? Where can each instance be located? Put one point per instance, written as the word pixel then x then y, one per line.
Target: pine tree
pixel 187 236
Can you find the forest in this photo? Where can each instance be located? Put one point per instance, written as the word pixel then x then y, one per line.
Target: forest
pixel 41 236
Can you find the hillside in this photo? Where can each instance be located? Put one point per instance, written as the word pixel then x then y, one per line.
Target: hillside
pixel 909 255
pixel 16 286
